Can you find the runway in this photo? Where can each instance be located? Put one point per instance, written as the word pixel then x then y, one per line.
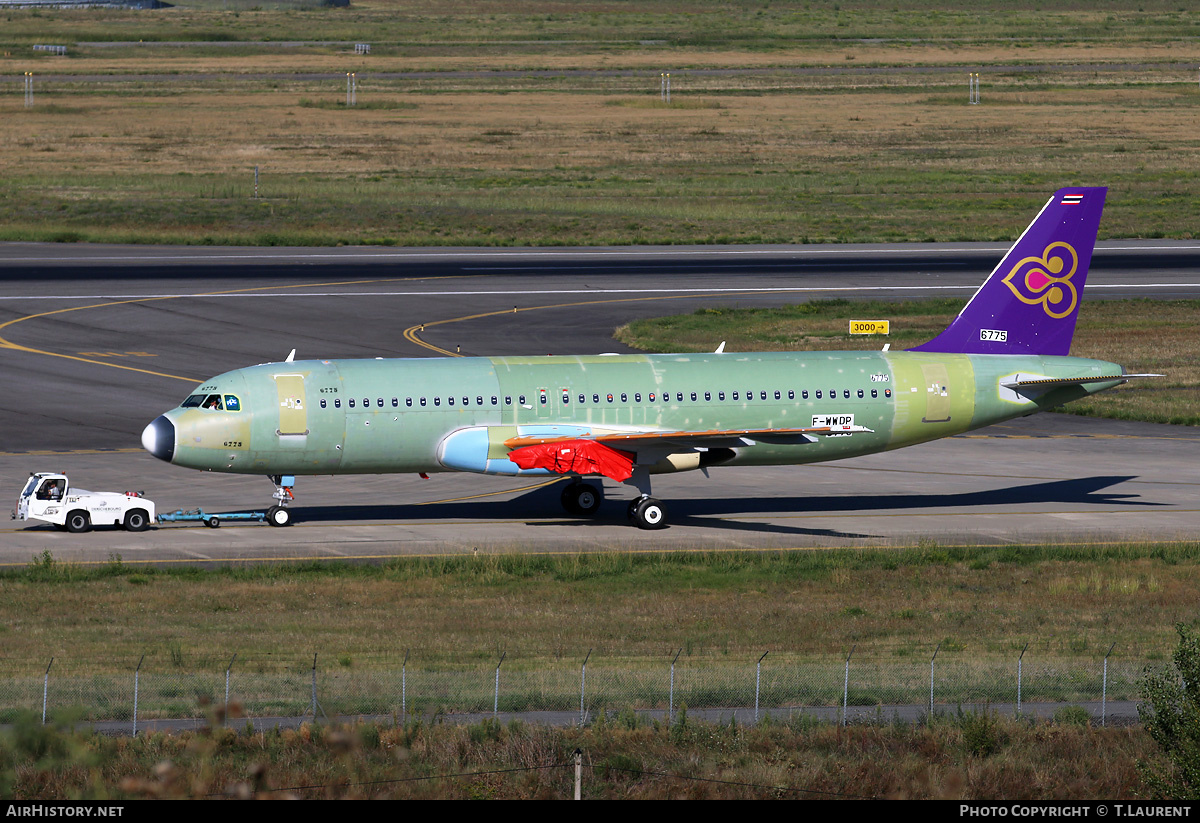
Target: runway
pixel 99 340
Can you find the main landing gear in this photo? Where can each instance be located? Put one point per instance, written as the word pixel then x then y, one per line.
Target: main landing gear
pixel 278 515
pixel 583 500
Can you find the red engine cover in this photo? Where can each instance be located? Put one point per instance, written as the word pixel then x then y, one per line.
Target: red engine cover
pixel 576 457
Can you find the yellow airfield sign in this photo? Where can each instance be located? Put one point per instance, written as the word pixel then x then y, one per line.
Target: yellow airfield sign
pixel 870 327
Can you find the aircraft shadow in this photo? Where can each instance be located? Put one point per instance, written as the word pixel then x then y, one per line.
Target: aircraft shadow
pixel 543 503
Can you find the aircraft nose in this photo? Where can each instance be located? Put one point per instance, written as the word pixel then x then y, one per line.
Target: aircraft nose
pixel 159 438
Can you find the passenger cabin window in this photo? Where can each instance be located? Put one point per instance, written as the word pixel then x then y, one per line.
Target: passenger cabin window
pixel 337 403
pixel 395 402
pixel 408 402
pixel 791 394
pixel 637 397
pixel 351 402
pixel 422 401
pixel 493 399
pixel 804 394
pixel 860 392
pixel 379 402
pixel 437 401
pixel 720 395
pixel 449 401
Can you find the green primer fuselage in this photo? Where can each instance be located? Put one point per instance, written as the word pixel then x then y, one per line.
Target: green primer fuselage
pixel 438 414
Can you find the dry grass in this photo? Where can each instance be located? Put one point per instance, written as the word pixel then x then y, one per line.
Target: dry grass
pixel 972 757
pixel 168 152
pixel 893 604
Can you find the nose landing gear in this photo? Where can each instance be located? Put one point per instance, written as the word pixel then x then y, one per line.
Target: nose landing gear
pixel 279 515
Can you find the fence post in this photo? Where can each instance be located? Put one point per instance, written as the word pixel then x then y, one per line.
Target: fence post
pixel 46 690
pixel 757 683
pixel 846 684
pixel 578 772
pixel 671 698
pixel 228 669
pixel 1104 689
pixel 136 674
pixel 935 654
pixel 404 689
pixel 1019 659
pixel 314 686
pixel 583 686
pixel 496 698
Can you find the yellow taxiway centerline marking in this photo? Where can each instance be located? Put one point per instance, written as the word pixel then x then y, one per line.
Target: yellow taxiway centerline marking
pixel 410 334
pixel 624 551
pixel 8 344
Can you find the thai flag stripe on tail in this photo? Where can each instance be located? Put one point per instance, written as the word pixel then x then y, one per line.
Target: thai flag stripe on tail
pixel 1072 199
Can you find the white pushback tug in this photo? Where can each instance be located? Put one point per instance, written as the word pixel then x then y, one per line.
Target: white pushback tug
pixel 48 496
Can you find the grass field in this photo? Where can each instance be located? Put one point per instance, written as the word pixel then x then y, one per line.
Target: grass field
pixel 1144 336
pixel 896 605
pixel 971 756
pixel 541 123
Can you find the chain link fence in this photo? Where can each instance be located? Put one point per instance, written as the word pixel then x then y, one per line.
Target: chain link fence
pixel 418 686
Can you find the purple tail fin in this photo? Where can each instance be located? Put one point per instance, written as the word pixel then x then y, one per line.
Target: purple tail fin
pixel 1029 303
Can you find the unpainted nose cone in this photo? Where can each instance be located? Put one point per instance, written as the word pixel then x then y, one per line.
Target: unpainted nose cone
pixel 159 438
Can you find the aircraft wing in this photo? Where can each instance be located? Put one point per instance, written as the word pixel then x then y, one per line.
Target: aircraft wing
pixel 686 440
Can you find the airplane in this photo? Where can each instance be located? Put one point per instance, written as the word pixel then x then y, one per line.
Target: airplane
pixel 628 417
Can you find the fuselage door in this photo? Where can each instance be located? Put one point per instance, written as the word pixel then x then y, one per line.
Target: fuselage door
pixel 293 408
pixel 937 393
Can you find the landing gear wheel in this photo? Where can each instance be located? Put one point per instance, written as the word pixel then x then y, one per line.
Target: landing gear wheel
pixel 78 522
pixel 213 522
pixel 279 516
pixel 581 499
pixel 137 521
pixel 648 513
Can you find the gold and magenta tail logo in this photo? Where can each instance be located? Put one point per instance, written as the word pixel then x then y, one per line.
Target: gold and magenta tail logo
pixel 1047 280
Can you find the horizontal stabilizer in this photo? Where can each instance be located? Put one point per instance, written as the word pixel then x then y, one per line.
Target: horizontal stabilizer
pixel 1044 383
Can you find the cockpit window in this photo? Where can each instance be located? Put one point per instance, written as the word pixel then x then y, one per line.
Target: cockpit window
pixel 212 402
